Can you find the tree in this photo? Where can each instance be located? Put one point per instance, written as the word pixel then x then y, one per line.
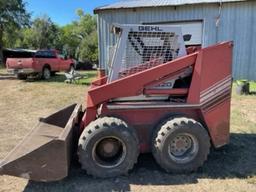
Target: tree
pixel 11 36
pixel 42 34
pixel 89 48
pixel 77 39
pixel 86 30
pixel 69 39
pixel 13 15
pixel 24 39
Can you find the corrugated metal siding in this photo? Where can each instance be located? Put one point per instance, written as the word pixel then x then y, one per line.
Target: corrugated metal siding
pixel 157 3
pixel 237 23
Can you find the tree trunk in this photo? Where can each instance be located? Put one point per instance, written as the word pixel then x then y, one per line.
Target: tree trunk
pixel 1 46
pixel 1 55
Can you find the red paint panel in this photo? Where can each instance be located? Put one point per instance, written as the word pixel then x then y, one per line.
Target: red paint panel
pixel 218 122
pixel 193 49
pixel 89 116
pixel 217 64
pixel 99 81
pixel 101 73
pixel 213 64
pixel 134 84
pixel 194 90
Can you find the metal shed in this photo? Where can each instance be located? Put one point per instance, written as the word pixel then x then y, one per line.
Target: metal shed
pixel 220 20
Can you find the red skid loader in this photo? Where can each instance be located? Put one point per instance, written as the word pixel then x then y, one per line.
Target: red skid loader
pixel 157 97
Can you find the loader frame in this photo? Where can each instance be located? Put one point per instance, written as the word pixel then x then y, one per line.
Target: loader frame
pixel 207 97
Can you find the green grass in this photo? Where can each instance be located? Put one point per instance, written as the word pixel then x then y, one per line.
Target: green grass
pixel 91 75
pixel 252 85
pixel 231 168
pixel 2 67
pixel 60 78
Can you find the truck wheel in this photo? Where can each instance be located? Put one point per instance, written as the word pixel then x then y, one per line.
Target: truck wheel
pixel 46 74
pixel 53 73
pixel 180 145
pixel 108 148
pixel 21 76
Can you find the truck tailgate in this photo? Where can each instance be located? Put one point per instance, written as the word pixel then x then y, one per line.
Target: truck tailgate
pixel 19 63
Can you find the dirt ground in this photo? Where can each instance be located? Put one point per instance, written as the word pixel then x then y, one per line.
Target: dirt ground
pixel 231 168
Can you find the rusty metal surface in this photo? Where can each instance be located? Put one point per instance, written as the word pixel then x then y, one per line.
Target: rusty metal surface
pixel 44 154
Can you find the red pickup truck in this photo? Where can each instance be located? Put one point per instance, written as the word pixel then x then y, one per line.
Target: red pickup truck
pixel 43 62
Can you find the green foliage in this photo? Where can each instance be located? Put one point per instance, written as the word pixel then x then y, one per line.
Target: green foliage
pixel 10 36
pixel 13 16
pixel 42 34
pixel 77 39
pixel 90 75
pixel 68 40
pixel 85 29
pixel 89 48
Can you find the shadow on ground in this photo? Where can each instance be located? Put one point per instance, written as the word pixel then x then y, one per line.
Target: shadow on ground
pixel 60 78
pixel 4 76
pixel 252 93
pixel 57 78
pixel 237 160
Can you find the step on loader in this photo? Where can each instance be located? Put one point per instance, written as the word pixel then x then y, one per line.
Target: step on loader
pixel 157 97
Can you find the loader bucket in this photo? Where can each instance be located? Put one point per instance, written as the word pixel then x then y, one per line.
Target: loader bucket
pixel 45 153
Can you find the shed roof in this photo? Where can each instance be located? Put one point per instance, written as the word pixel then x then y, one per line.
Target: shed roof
pixel 126 4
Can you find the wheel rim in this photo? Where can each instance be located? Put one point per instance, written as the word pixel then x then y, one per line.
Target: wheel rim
pixel 183 148
pixel 109 152
pixel 47 73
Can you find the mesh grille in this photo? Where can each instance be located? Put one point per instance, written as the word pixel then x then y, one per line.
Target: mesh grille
pixel 148 49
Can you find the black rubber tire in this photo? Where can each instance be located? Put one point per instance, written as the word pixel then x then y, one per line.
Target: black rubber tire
pixel 53 73
pixel 21 76
pixel 107 127
pixel 44 76
pixel 169 130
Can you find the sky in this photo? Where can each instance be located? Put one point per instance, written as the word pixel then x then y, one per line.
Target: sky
pixel 63 11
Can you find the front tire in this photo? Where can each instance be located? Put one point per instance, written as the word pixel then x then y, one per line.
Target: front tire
pixel 180 145
pixel 108 147
pixel 46 73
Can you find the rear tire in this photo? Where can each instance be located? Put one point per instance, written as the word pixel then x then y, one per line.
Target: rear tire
pixel 53 73
pixel 180 145
pixel 46 73
pixel 108 147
